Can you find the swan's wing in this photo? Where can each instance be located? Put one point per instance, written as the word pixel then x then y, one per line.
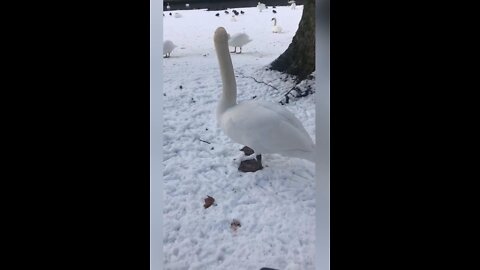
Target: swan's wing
pixel 233 39
pixel 281 111
pixel 266 128
pixel 246 40
pixel 236 36
pixel 238 40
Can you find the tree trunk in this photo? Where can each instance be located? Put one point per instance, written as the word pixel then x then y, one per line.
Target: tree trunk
pixel 299 58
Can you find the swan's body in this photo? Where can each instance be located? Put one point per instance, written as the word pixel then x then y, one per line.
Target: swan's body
pixel 168 47
pixel 187 5
pixel 177 15
pixel 261 6
pixel 266 128
pixel 263 126
pixel 238 40
pixel 276 28
pixel 168 6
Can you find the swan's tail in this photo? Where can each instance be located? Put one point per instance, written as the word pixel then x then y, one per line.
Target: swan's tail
pixel 310 156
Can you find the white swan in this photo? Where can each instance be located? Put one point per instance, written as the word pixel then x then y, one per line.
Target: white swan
pixel 238 40
pixel 276 28
pixel 261 6
pixel 168 47
pixel 168 6
pixel 263 126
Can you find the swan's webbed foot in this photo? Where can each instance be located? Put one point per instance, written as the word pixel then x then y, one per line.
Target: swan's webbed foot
pixel 247 150
pixel 259 160
pixel 250 165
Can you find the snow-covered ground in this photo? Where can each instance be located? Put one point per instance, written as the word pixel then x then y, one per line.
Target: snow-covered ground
pixel 275 206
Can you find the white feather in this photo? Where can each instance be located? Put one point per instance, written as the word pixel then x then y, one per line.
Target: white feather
pixel 238 40
pixel 276 28
pixel 168 46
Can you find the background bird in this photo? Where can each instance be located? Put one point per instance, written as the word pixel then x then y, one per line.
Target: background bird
pixel 168 47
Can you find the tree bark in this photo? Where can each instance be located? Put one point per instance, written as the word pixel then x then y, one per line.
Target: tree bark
pixel 299 58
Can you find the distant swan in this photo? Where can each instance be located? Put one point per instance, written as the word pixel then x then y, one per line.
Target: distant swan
pixel 261 6
pixel 276 28
pixel 263 126
pixel 293 4
pixel 238 40
pixel 168 47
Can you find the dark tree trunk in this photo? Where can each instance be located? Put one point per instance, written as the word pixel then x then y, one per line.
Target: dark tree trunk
pixel 299 58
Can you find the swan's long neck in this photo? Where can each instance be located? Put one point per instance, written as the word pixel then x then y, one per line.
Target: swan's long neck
pixel 229 94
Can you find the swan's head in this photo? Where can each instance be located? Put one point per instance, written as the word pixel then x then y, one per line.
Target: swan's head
pixel 220 35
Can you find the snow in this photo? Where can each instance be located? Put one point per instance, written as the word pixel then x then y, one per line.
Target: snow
pixel 275 206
